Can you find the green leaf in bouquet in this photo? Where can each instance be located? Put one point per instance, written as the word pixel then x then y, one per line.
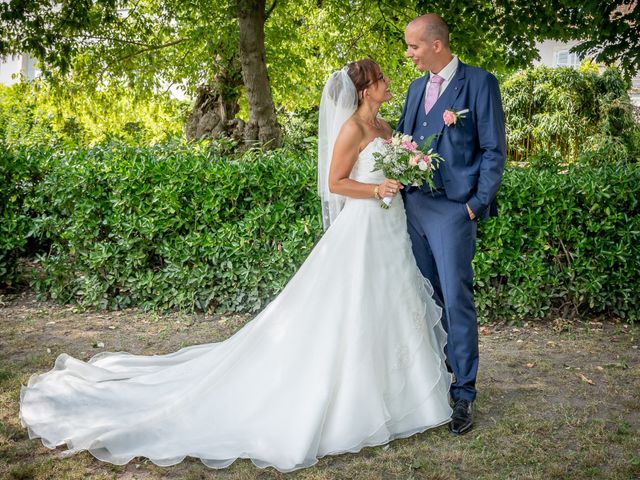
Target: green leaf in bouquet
pixel 427 143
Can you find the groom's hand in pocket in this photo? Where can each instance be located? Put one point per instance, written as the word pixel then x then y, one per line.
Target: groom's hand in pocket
pixel 472 215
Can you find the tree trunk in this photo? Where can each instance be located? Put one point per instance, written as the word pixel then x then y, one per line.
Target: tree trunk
pixel 215 108
pixel 263 126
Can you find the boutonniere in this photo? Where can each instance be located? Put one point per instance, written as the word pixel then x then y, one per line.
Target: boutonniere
pixel 450 116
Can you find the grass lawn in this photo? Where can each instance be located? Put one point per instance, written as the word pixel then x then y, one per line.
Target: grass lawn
pixel 557 400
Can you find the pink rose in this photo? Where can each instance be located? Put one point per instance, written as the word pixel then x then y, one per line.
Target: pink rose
pixel 425 164
pixel 411 146
pixel 449 118
pixel 413 161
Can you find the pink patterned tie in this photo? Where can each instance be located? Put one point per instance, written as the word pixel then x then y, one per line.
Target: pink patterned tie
pixel 432 92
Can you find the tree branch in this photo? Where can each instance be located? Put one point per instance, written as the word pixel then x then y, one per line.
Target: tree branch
pixel 269 10
pixel 384 18
pixel 113 39
pixel 354 41
pixel 151 48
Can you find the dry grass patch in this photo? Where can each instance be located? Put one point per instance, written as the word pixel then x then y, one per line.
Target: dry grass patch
pixel 557 401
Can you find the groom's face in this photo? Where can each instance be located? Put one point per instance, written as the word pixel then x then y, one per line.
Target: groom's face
pixel 421 51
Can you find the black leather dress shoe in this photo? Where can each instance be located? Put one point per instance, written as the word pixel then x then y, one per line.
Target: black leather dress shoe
pixel 462 417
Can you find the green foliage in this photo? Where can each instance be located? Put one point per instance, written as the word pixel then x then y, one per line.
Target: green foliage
pixel 300 129
pixel 613 33
pixel 178 226
pixel 568 241
pixel 148 44
pixel 565 113
pixel 37 114
pixel 173 227
pixel 20 172
pixel 306 41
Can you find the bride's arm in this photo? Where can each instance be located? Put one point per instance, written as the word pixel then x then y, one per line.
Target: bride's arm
pixel 345 155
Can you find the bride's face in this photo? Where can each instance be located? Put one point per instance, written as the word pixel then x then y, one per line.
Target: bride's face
pixel 379 90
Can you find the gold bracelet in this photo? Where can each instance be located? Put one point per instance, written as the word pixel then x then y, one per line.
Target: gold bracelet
pixel 376 192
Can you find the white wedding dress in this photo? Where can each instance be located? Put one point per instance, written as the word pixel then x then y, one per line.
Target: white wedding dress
pixel 350 354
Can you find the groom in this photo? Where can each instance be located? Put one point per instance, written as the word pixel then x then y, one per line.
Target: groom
pixel 461 104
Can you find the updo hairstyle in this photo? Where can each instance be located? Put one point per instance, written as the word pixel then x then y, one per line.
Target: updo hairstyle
pixel 363 74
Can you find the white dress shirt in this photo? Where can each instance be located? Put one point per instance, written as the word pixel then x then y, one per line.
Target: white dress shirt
pixel 446 73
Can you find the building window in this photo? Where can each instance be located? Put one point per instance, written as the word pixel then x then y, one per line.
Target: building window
pixel 564 58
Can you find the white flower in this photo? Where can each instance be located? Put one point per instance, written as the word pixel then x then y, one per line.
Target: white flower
pixel 405 138
pixel 423 165
pixel 396 141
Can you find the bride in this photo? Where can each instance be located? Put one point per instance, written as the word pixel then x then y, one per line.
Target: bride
pixel 350 354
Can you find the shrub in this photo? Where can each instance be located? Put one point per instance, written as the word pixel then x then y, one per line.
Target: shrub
pixel 20 172
pixel 178 226
pixel 567 112
pixel 300 129
pixel 567 241
pixel 173 227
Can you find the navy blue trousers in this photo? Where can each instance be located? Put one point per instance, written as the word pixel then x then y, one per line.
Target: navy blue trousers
pixel 443 239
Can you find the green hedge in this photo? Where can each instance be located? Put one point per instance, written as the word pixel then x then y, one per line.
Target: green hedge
pixel 172 227
pixel 177 227
pixel 20 173
pixel 564 243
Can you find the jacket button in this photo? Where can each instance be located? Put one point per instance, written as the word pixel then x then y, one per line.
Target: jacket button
pixel 421 137
pixel 424 124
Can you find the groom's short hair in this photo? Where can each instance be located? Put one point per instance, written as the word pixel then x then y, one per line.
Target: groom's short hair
pixel 434 28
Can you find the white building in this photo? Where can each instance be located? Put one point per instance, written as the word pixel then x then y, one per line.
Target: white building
pixel 557 54
pixel 14 68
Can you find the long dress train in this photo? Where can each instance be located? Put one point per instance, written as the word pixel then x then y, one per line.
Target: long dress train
pixel 350 354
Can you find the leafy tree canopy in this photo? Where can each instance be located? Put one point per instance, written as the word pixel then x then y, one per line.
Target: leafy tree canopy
pixel 149 45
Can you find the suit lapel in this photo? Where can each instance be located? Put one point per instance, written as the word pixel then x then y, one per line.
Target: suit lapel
pixel 447 99
pixel 415 101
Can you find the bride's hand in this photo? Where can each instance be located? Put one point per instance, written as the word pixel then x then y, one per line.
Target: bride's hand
pixel 389 188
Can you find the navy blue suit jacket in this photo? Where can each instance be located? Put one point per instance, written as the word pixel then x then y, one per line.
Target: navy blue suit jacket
pixel 474 149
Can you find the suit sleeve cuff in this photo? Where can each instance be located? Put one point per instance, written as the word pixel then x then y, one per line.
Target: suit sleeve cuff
pixel 476 207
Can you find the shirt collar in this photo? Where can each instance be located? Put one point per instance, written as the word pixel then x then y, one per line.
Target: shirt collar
pixel 447 72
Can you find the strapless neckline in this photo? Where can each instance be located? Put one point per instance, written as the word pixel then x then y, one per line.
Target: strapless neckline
pixel 372 142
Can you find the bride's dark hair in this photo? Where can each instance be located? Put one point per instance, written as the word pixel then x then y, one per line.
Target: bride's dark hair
pixel 363 74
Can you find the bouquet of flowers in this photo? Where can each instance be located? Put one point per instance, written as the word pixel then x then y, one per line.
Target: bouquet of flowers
pixel 403 161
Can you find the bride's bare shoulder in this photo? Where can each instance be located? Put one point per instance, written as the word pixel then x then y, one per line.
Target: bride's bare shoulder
pixel 351 132
pixel 352 125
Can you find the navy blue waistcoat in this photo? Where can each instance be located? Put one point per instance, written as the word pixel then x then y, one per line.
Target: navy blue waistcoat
pixel 422 129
